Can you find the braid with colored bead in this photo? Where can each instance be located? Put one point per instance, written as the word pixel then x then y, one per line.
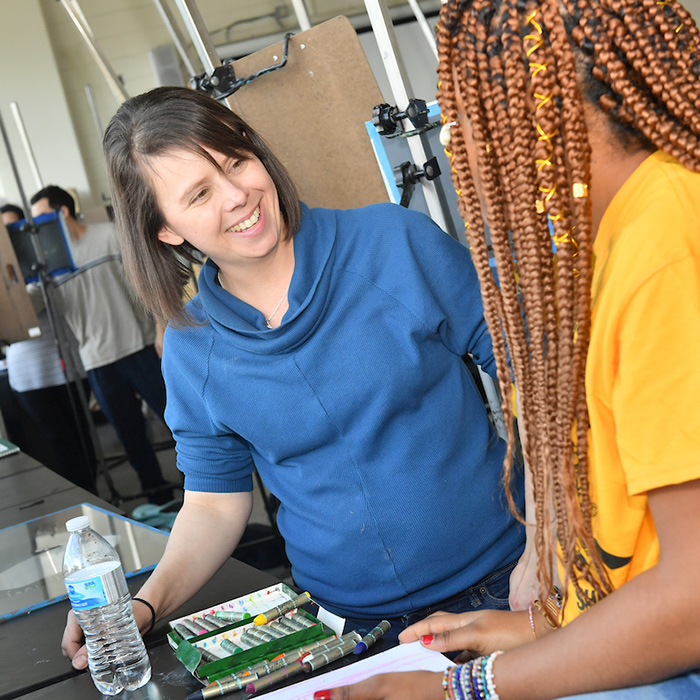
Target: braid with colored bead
pixel 540 298
pixel 452 43
pixel 639 62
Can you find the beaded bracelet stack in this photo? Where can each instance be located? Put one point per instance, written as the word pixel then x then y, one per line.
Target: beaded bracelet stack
pixel 471 681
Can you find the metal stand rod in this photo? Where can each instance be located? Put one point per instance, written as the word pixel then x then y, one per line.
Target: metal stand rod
pixel 400 87
pixel 14 108
pixel 425 27
pixel 198 33
pixel 95 114
pixel 175 35
pixel 110 76
pixel 302 14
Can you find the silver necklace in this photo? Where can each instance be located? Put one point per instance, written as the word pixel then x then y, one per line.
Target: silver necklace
pixel 279 303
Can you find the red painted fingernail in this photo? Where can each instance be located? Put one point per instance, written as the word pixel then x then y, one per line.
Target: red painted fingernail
pixel 427 639
pixel 322 695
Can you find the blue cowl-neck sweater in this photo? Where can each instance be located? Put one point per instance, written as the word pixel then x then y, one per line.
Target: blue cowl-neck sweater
pixel 357 411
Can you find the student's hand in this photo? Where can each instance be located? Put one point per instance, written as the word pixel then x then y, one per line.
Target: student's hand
pixel 524 586
pixel 73 643
pixel 473 633
pixel 415 685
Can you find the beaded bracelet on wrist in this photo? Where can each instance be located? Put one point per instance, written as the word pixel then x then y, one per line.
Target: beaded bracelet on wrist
pixel 471 681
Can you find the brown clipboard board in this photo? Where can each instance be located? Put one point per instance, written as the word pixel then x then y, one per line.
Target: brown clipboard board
pixel 17 314
pixel 312 113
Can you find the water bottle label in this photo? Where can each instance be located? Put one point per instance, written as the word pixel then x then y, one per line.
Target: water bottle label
pixel 104 584
pixel 87 594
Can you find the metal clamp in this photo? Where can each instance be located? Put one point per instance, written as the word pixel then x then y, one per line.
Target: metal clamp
pixel 408 176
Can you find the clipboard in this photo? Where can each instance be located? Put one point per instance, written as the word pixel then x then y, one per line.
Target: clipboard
pixel 312 113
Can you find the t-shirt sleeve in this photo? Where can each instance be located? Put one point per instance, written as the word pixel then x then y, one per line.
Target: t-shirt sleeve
pixel 212 458
pixel 655 397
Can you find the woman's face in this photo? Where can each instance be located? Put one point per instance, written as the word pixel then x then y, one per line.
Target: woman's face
pixel 232 216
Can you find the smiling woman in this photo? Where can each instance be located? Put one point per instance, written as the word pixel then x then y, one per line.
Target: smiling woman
pixel 324 349
pixel 185 167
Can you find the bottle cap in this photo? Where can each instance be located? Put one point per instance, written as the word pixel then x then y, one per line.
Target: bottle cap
pixel 79 523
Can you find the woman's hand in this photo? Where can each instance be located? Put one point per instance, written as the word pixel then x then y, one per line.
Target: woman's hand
pixel 73 643
pixel 415 685
pixel 473 633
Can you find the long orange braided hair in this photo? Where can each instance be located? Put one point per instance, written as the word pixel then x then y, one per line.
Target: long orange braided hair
pixel 522 70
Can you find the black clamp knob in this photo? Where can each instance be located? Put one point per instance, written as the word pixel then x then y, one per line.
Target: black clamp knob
pixel 408 175
pixel 386 117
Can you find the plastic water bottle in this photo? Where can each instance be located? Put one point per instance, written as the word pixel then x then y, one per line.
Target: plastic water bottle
pixel 98 593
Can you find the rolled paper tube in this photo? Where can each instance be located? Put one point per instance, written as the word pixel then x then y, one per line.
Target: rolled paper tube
pixel 302 620
pixel 208 656
pixel 193 627
pixel 183 631
pixel 231 616
pixel 290 605
pixel 372 636
pixel 202 622
pixel 228 645
pixel 317 660
pixel 215 620
pixel 271 630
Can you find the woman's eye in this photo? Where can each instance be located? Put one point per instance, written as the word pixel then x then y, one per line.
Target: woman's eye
pixel 236 164
pixel 200 195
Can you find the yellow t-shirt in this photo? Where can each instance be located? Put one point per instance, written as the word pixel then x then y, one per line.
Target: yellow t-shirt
pixel 642 376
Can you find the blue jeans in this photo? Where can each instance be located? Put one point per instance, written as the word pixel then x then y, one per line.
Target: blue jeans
pixel 116 386
pixel 491 593
pixel 681 688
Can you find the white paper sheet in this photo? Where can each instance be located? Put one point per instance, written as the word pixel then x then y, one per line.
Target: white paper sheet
pixel 405 657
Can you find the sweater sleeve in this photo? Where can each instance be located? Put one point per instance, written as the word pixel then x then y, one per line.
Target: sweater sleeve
pixel 434 276
pixel 212 457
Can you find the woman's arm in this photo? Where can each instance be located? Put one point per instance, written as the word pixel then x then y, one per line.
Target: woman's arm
pixel 205 533
pixel 646 631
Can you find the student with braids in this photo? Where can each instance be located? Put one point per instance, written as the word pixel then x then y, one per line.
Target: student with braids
pixel 575 142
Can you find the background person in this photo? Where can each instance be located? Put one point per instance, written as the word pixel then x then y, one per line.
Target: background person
pixel 11 214
pixel 115 336
pixel 49 424
pixel 325 349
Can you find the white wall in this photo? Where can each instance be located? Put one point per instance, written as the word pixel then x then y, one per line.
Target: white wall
pixel 28 76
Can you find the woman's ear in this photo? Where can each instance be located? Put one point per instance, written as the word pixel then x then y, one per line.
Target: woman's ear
pixel 167 236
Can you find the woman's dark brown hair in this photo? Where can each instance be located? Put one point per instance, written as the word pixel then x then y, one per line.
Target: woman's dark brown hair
pixel 522 71
pixel 154 124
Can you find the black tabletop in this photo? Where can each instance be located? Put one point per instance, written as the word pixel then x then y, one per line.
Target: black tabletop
pixel 32 663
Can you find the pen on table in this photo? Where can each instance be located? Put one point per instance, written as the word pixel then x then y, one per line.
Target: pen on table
pixel 372 636
pixel 222 687
pixel 268 615
pixel 262 667
pixel 276 676
pixel 322 657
